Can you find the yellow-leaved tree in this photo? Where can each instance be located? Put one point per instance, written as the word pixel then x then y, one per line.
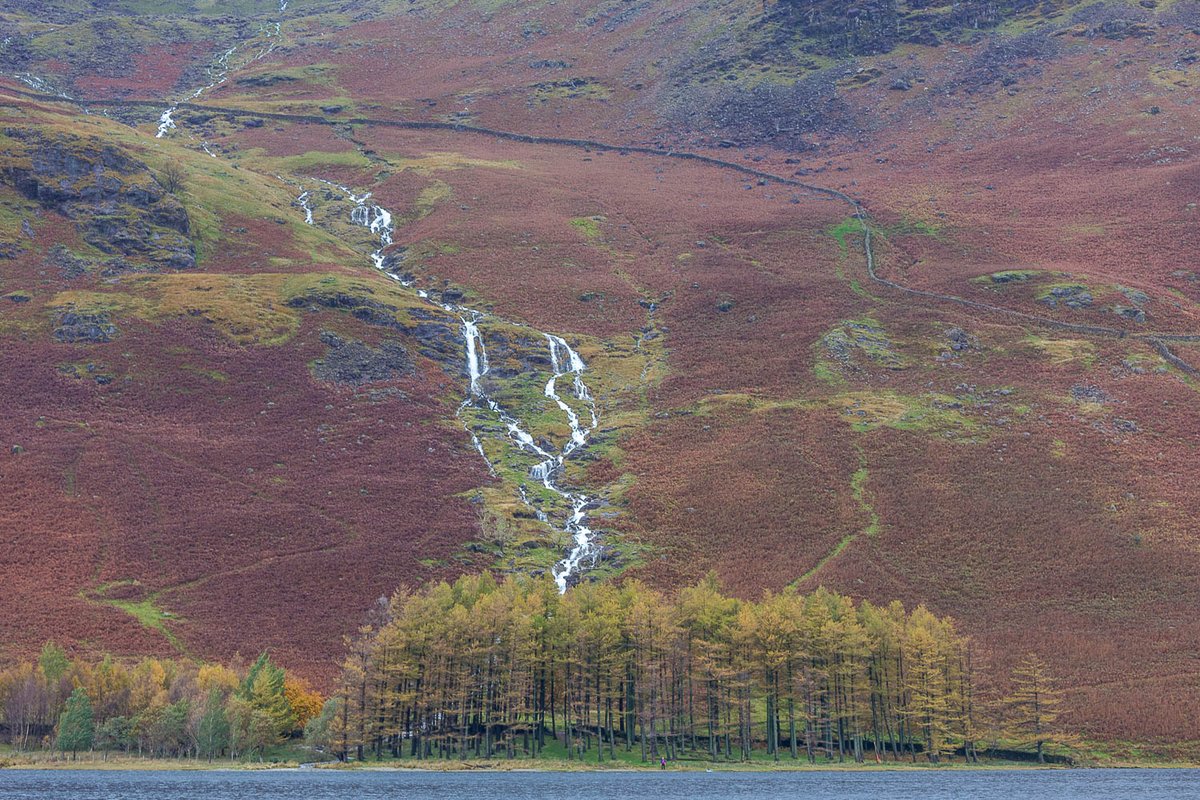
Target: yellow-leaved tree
pixel 1032 707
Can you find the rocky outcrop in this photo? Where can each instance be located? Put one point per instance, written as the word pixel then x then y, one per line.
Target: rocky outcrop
pixel 116 202
pixel 870 27
pixel 354 363
pixel 89 328
pixel 1073 297
pixel 436 334
pixel 439 337
pixel 513 356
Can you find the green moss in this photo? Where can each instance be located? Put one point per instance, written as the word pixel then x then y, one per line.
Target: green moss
pixel 589 227
pixel 825 373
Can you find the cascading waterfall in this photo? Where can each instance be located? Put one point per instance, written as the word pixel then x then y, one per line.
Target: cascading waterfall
pixel 565 362
pixel 304 202
pixel 219 69
pixel 376 219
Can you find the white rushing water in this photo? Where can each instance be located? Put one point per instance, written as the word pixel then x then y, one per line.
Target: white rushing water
pixel 565 363
pixel 304 201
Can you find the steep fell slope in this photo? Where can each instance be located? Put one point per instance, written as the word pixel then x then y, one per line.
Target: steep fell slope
pixel 998 420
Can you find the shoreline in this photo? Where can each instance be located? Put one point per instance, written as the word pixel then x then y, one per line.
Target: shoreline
pixel 189 765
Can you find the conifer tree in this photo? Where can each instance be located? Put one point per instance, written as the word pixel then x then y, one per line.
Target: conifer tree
pixel 76 727
pixel 1032 707
pixel 212 729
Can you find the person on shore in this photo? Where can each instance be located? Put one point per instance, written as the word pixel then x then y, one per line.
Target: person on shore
pixel 662 762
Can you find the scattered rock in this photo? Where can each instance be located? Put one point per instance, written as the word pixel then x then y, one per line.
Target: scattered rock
pixel 513 356
pixel 1133 366
pixel 1011 276
pixel 960 340
pixel 269 79
pixel 1135 296
pixel 1090 394
pixel 71 265
pixel 1133 314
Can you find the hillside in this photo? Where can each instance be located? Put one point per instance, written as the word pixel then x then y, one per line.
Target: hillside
pixel 226 430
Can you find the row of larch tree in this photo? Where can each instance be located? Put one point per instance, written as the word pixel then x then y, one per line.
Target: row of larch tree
pixel 482 669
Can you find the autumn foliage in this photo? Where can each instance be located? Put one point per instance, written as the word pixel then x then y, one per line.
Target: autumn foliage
pixel 481 668
pixel 154 707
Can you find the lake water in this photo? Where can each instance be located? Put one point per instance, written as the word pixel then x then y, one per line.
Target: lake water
pixel 1125 784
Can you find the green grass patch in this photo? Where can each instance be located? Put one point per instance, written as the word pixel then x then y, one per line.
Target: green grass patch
pixel 825 373
pixel 571 89
pixel 211 374
pixel 931 413
pixel 1063 351
pixel 858 488
pixel 145 610
pixel 850 226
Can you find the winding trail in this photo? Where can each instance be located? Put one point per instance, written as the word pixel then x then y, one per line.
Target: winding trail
pixel 857 207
